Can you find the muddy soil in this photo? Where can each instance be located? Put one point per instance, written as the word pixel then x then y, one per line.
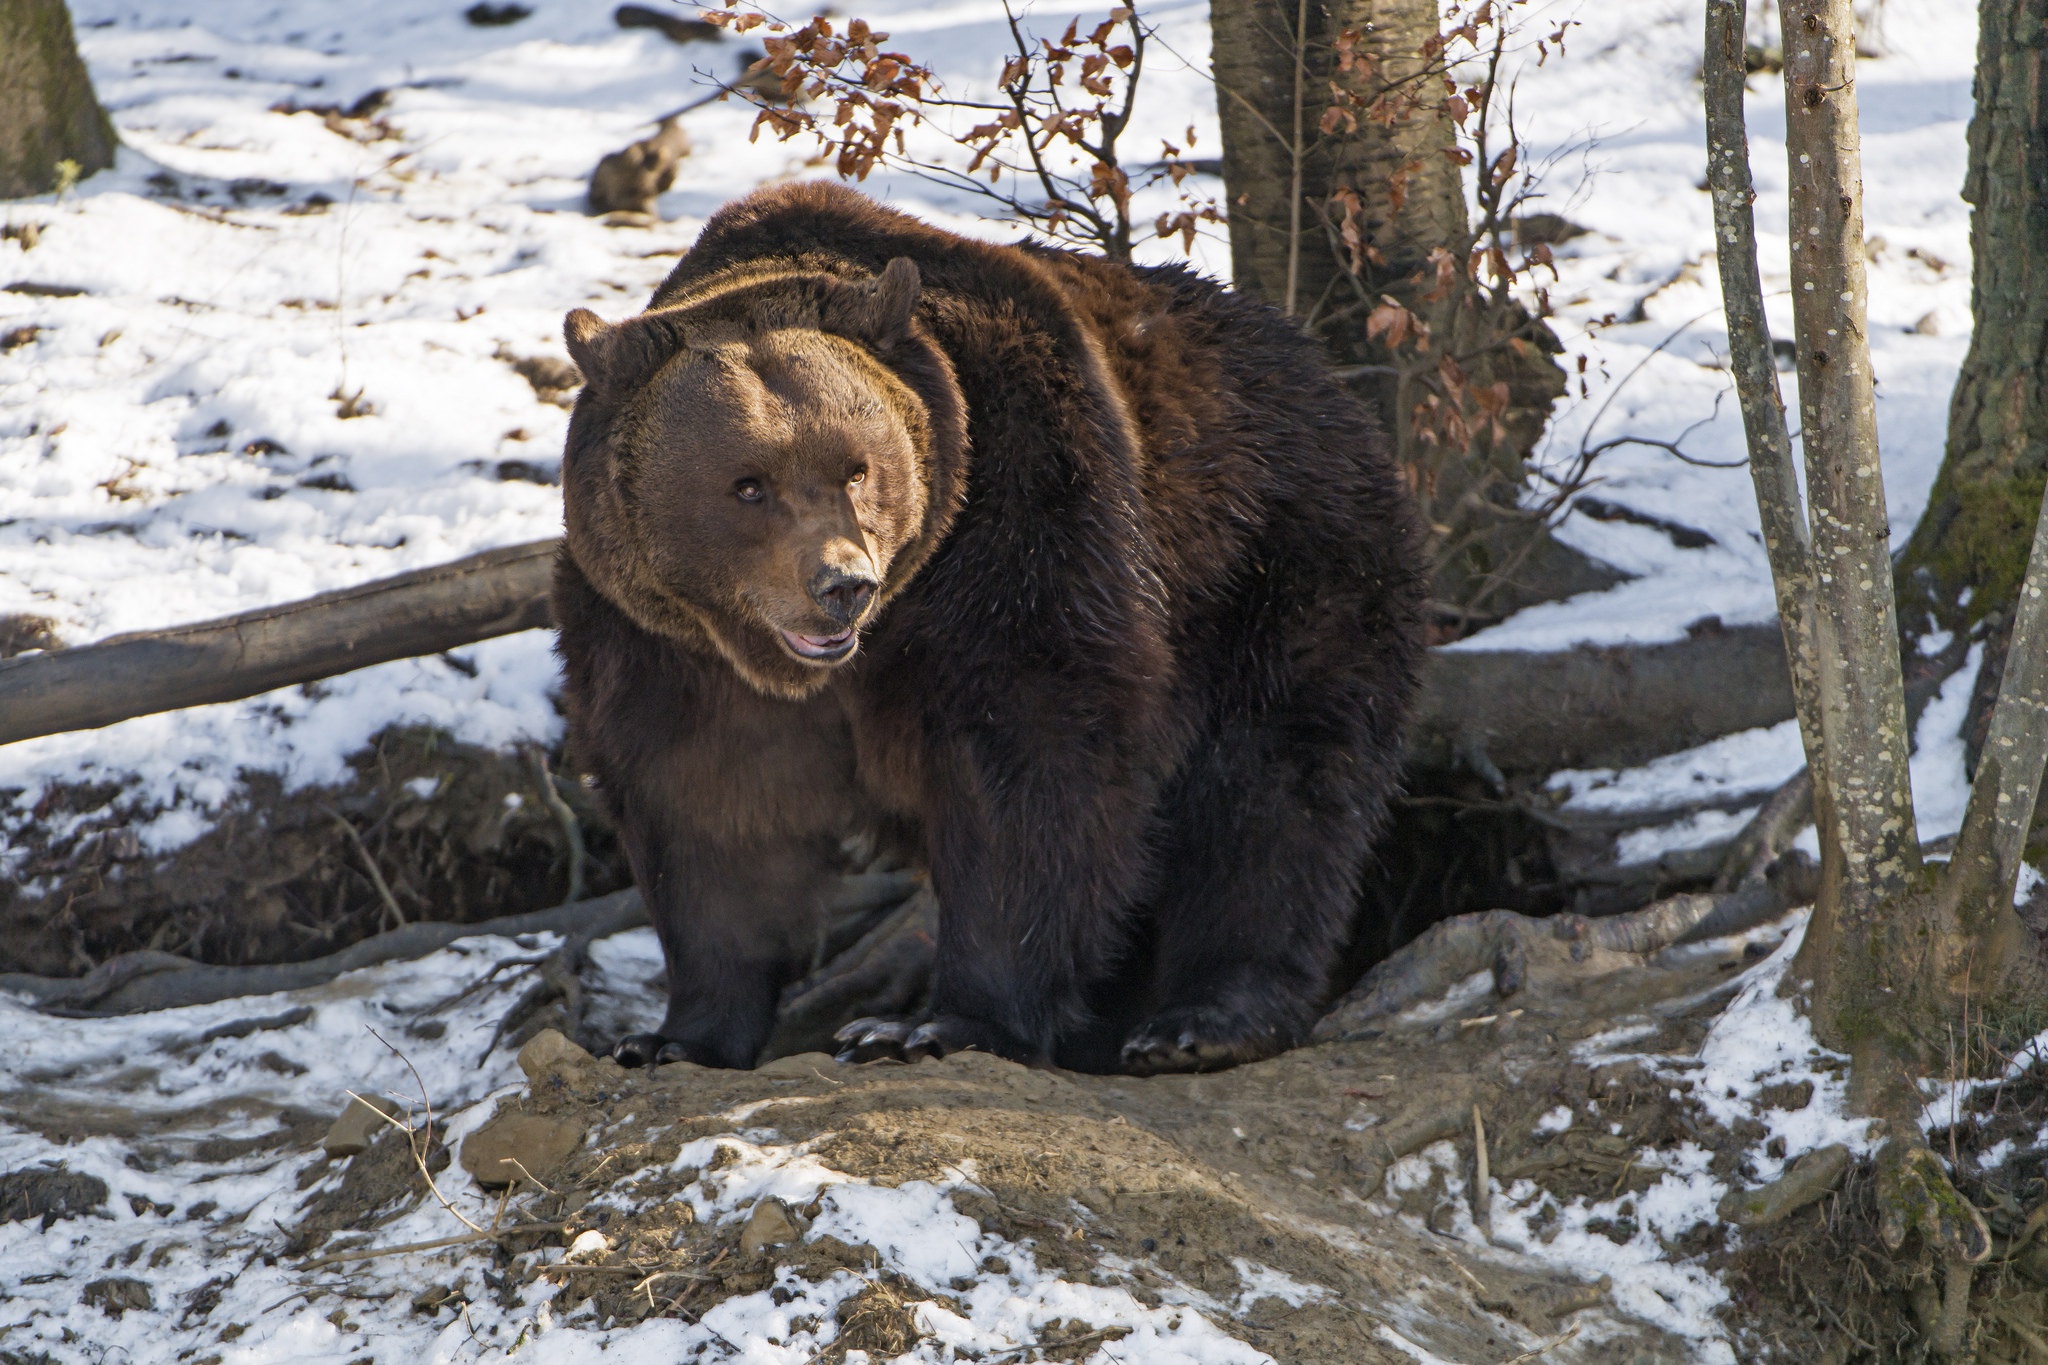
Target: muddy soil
pixel 1171 1186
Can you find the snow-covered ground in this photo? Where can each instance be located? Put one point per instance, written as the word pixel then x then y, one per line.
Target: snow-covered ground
pixel 210 1225
pixel 174 446
pixel 173 438
pixel 168 1110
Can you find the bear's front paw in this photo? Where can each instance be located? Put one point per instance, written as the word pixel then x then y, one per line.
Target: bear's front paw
pixel 907 1040
pixel 1201 1038
pixel 651 1049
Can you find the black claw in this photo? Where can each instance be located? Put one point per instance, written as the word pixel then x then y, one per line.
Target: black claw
pixel 859 1029
pixel 925 1040
pixel 874 1040
pixel 640 1049
pixel 1199 1039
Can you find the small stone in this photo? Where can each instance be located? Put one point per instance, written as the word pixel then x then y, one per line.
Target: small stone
pixel 359 1125
pixel 49 1193
pixel 515 1146
pixel 430 1299
pixel 588 1246
pixel 771 1224
pixel 116 1295
pixel 550 1060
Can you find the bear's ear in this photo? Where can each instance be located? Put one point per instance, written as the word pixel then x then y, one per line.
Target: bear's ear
pixel 619 356
pixel 585 332
pixel 879 310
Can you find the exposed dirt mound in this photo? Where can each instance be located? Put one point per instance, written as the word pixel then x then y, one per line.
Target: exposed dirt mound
pixel 454 832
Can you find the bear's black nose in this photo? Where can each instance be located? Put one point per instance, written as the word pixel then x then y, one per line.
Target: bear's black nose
pixel 843 595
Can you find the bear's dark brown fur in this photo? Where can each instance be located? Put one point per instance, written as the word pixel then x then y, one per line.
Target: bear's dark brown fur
pixel 1086 580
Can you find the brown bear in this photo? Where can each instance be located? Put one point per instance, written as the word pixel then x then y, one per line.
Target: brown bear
pixel 1085 581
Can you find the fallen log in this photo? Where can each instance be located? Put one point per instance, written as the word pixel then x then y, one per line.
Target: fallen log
pixel 1599 706
pixel 1511 710
pixel 150 980
pixel 425 612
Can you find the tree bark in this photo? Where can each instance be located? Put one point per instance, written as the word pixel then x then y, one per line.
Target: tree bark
pixel 1973 538
pixel 1862 690
pixel 1288 179
pixel 48 112
pixel 1255 49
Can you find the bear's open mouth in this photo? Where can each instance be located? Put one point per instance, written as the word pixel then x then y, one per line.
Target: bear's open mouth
pixel 828 649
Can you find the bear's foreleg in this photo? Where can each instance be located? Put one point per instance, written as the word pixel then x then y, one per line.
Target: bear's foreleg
pixel 730 805
pixel 1038 866
pixel 735 921
pixel 1258 878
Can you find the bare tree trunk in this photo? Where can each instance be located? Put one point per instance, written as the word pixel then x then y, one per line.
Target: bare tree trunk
pixel 1410 189
pixel 1896 954
pixel 1964 562
pixel 48 112
pixel 1862 691
pixel 1779 504
pixel 1341 171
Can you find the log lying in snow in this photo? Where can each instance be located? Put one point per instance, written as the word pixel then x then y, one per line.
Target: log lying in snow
pixel 446 607
pixel 1519 711
pixel 157 980
pixel 1610 706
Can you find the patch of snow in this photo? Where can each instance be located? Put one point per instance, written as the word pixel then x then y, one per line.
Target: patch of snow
pixel 918 1234
pixel 1556 1120
pixel 1941 787
pixel 1728 768
pixel 1454 1003
pixel 1698 830
pixel 1762 1039
pixel 1945 1099
pixel 2029 878
pixel 1264 1282
pixel 1422 1355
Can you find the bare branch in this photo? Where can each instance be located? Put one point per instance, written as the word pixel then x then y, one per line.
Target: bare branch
pixel 1296 149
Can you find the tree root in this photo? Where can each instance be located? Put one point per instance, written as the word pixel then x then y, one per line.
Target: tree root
pixel 1541 954
pixel 1914 1194
pixel 1767 835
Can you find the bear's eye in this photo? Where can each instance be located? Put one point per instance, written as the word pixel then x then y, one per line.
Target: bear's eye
pixel 857 477
pixel 749 490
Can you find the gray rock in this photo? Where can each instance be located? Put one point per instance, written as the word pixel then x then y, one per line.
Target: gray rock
pixel 772 1224
pixel 359 1125
pixel 515 1146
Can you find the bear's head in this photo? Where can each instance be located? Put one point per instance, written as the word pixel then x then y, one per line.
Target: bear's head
pixel 749 470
